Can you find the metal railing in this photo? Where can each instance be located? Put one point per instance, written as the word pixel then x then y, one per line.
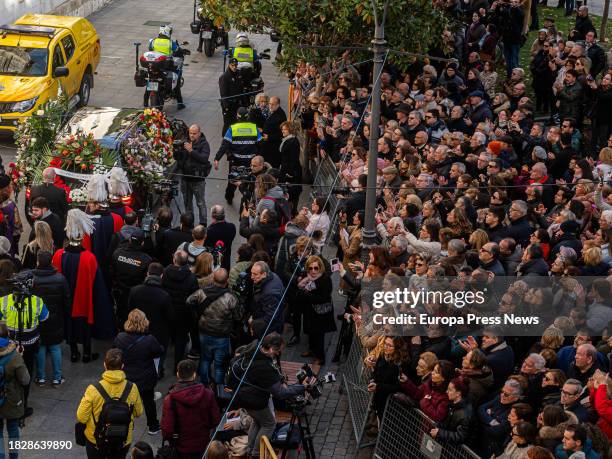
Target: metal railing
pixel 324 181
pixel 404 434
pixel 355 379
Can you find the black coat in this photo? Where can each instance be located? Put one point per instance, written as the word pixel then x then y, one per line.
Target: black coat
pixel 52 287
pixel 222 231
pixel 520 230
pixel 58 203
pixel 57 229
pixel 139 350
pixel 180 282
pixel 195 164
pixel 229 85
pixel 167 242
pixel 458 425
pixel 271 128
pixel 270 232
pixel 313 322
pixel 152 299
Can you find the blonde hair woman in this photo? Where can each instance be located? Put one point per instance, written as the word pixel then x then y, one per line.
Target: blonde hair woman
pixel 43 240
pixel 478 238
pixel 203 269
pixel 140 351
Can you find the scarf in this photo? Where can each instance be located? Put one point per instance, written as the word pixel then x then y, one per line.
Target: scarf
pixel 290 136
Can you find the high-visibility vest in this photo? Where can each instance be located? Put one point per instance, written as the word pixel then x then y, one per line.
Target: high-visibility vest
pixel 163 45
pixel 244 54
pixel 32 308
pixel 244 133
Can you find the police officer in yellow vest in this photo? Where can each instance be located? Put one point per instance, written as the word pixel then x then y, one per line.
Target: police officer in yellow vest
pixel 23 315
pixel 240 145
pixel 165 45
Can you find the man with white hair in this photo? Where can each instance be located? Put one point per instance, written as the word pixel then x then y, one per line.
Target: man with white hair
pixel 58 203
pixel 539 174
pixel 398 249
pixel 389 230
pixel 519 229
pixel 534 369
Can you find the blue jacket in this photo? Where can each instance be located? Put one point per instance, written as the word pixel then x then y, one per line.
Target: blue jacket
pixel 500 359
pixel 267 304
pixel 567 355
pixel 588 451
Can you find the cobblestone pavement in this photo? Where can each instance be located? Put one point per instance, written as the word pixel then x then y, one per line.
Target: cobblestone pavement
pixel 120 25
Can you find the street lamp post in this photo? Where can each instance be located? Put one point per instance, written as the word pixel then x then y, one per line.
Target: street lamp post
pixel 379 47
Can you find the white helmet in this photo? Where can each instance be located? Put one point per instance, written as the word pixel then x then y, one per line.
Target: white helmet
pixel 165 31
pixel 242 39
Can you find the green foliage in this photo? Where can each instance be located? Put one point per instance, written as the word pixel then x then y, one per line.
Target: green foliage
pixel 411 25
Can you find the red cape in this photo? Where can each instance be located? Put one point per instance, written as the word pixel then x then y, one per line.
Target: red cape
pixel 82 302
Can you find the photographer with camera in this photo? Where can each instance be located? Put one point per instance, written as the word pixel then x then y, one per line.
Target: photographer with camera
pixel 194 164
pixel 246 184
pixel 262 379
pixel 23 313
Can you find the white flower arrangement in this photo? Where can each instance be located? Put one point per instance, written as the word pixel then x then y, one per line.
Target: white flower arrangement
pixel 78 195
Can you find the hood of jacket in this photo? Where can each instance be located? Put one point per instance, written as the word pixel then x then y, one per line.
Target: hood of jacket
pixel 196 250
pixel 177 273
pixel 113 376
pixel 44 272
pixel 275 192
pixel 188 393
pixel 127 230
pixel 7 350
pixel 153 280
pixel 292 230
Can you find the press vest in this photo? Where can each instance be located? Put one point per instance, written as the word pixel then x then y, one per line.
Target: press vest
pixel 32 308
pixel 163 45
pixel 244 54
pixel 244 140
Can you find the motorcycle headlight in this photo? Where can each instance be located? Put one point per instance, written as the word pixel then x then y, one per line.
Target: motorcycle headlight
pixel 24 105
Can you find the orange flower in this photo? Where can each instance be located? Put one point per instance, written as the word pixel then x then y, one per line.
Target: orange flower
pixel 83 166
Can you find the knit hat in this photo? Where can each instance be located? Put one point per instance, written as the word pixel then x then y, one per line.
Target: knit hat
pixel 570 227
pixel 539 152
pixel 5 181
pixel 477 93
pixel 495 147
pixel 5 245
pixel 390 170
pixel 78 224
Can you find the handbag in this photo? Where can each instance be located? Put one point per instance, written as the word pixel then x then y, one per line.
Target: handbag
pixel 323 308
pixel 168 448
pixel 79 434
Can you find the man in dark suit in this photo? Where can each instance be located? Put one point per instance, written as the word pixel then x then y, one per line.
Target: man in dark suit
pixel 271 133
pixel 220 230
pixel 56 197
pixel 42 213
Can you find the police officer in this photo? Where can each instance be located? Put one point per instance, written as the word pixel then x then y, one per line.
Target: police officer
pixel 230 89
pixel 165 45
pixel 128 268
pixel 240 145
pixel 23 315
pixel 249 64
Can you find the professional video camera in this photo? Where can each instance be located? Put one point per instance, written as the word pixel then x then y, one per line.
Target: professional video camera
pixel 342 190
pixel 147 221
pixel 241 287
pixel 315 389
pixel 240 173
pixel 166 187
pixel 21 283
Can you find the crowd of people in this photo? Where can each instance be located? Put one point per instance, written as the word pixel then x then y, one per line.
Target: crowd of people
pixel 479 178
pixel 476 180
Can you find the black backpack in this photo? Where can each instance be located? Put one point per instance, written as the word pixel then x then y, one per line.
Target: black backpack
pixel 113 424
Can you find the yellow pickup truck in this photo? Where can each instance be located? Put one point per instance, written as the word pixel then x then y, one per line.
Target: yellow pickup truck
pixel 38 55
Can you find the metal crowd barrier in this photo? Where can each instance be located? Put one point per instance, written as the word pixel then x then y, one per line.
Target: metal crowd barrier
pixel 323 184
pixel 265 448
pixel 355 379
pixel 404 434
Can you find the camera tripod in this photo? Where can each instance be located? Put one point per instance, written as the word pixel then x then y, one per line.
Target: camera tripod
pixel 300 418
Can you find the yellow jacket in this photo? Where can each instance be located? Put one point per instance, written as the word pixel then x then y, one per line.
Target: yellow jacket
pixel 90 407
